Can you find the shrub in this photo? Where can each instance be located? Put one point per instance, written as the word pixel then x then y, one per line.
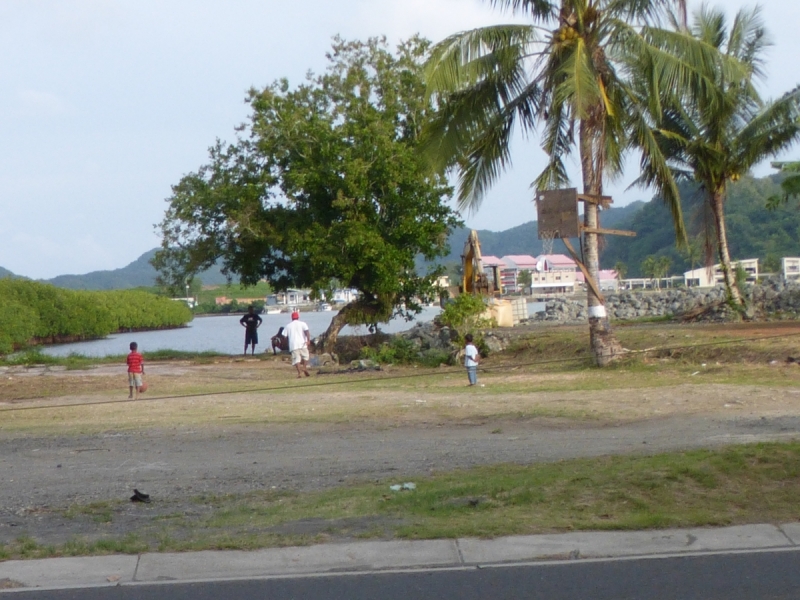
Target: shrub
pixel 465 314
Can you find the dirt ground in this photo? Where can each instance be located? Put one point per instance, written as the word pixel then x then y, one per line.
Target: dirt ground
pixel 71 438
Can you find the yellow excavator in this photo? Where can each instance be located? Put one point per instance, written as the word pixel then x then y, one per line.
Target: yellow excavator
pixel 474 280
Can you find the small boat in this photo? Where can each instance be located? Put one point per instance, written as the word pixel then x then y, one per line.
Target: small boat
pixel 272 311
pixel 324 307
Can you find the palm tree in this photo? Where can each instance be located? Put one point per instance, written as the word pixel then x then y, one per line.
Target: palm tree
pixel 570 69
pixel 717 138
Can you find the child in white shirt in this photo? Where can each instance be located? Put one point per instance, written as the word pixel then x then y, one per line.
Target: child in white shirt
pixel 471 359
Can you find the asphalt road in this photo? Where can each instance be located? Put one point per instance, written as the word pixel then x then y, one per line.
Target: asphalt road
pixel 750 576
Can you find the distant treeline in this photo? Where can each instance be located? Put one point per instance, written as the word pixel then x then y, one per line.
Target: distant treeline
pixel 32 312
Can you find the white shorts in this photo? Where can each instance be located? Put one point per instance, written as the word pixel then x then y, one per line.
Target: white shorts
pixel 299 355
pixel 135 380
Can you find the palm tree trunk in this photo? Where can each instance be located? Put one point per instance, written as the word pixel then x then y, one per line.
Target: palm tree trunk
pixel 718 208
pixel 604 345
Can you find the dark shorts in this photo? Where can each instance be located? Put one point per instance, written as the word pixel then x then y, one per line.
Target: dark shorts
pixel 250 337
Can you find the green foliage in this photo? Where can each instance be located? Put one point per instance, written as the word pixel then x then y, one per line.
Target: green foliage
pixel 464 314
pixel 325 186
pixel 771 263
pixel 401 351
pixel 740 275
pixel 656 267
pixel 32 311
pixel 753 231
pixel 18 324
pixel 717 137
pixel 790 186
pixel 621 269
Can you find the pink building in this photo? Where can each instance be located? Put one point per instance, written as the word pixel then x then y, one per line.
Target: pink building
pixel 555 262
pixel 514 265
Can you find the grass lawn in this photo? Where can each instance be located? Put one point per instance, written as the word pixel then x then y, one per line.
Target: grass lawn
pixel 673 369
pixel 736 485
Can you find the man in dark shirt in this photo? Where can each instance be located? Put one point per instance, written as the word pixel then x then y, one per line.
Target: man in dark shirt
pixel 251 322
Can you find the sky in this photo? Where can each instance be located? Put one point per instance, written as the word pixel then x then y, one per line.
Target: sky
pixel 105 104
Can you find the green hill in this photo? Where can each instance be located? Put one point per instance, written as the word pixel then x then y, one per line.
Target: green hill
pixel 139 273
pixel 753 231
pixel 523 239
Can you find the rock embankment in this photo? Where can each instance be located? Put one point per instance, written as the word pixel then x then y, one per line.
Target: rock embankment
pixel 765 301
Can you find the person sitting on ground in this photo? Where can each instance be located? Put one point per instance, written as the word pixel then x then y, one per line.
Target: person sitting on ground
pixel 299 341
pixel 279 342
pixel 251 322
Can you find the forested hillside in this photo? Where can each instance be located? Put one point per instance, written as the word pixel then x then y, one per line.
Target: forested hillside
pixel 139 273
pixel 523 238
pixel 753 231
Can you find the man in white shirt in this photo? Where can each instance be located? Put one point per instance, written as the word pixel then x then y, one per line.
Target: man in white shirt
pixel 299 340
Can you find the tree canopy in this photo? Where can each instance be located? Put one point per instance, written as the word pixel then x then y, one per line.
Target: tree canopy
pixel 716 138
pixel 323 187
pixel 574 70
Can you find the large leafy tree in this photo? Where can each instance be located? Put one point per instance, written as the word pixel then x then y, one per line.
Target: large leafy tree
pixel 571 69
pixel 717 138
pixel 324 187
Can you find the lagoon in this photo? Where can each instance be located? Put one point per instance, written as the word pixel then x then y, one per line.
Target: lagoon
pixel 221 334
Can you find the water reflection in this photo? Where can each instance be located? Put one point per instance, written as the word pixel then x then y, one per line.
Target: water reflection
pixel 218 334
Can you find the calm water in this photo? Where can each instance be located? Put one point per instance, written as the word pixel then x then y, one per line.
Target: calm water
pixel 219 334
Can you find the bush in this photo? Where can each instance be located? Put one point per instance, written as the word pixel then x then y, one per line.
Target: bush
pixel 397 350
pixel 32 311
pixel 18 324
pixel 400 351
pixel 465 314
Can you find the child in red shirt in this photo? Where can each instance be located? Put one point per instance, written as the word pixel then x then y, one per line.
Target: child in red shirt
pixel 135 370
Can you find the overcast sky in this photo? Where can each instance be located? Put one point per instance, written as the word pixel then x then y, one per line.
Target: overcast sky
pixel 105 104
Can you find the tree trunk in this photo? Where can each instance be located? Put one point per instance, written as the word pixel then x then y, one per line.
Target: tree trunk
pixel 604 345
pixel 327 340
pixel 718 208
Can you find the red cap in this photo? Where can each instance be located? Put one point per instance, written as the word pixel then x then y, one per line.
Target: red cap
pixel 295 315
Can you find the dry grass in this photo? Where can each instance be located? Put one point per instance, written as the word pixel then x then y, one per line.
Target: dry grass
pixel 527 381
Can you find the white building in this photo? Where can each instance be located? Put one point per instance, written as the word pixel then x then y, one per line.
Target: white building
pixel 293 297
pixel 711 276
pixel 609 281
pixel 344 295
pixel 554 274
pixel 790 268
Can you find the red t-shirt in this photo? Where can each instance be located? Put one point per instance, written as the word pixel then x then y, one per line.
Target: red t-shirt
pixel 135 362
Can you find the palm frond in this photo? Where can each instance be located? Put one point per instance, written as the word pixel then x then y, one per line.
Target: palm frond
pixel 656 171
pixel 464 59
pixel 538 10
pixel 557 142
pixel 773 129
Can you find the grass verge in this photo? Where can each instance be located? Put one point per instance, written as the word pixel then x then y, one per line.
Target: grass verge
pixel 735 485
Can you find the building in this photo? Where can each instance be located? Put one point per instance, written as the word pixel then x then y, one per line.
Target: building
pixel 344 295
pixel 293 297
pixel 515 264
pixel 711 276
pixel 609 281
pixel 790 269
pixel 554 274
